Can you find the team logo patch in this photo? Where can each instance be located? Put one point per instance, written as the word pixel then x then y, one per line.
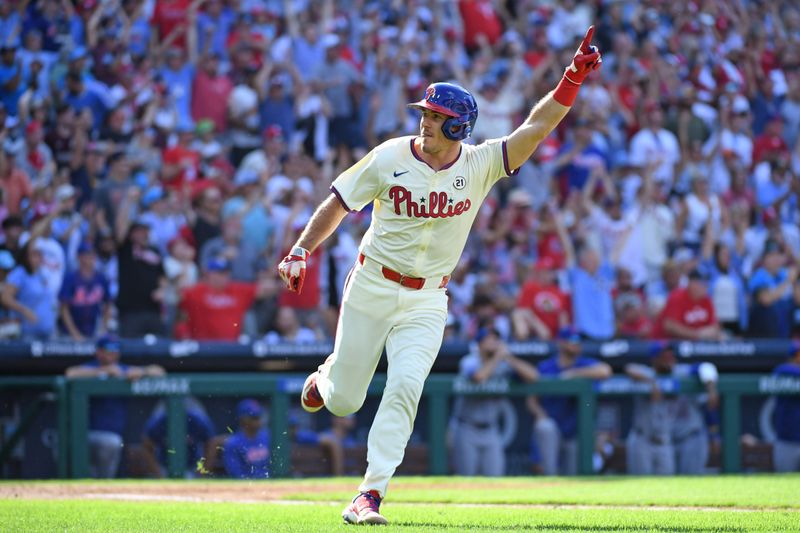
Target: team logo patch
pixel 429 93
pixel 460 182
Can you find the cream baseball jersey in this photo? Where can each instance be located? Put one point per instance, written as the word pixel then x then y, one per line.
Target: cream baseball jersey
pixel 421 217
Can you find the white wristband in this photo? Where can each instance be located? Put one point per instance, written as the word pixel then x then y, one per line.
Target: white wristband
pixel 302 252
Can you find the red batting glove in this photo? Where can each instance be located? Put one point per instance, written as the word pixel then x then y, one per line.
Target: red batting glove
pixel 293 269
pixel 587 58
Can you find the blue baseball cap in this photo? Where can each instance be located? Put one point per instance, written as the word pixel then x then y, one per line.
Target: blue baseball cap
pixel 152 195
pixel 109 343
pixel 249 407
pixel 485 332
pixel 77 53
pixel 85 248
pixel 658 347
pixel 569 334
pixel 218 264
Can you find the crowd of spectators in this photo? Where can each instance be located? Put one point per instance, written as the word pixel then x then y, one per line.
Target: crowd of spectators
pixel 158 157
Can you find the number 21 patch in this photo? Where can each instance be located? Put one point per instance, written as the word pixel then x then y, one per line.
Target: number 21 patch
pixel 460 182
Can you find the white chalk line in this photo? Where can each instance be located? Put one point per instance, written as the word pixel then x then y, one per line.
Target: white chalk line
pixel 545 506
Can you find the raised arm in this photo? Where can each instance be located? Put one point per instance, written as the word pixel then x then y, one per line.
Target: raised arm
pixel 123 221
pixel 191 32
pixel 587 192
pixel 292 25
pixel 563 237
pixel 707 249
pixel 549 111
pixel 93 23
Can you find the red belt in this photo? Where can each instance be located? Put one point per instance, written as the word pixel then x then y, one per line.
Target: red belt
pixel 402 279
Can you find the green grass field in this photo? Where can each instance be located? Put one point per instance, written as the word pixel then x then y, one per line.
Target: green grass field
pixel 723 503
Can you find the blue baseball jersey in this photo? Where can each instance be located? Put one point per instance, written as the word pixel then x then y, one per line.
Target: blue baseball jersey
pixel 85 299
pixel 562 409
pixel 107 413
pixel 772 320
pixel 786 417
pixel 246 457
pixel 199 429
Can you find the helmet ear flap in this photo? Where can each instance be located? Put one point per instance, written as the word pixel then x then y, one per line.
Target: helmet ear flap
pixel 455 129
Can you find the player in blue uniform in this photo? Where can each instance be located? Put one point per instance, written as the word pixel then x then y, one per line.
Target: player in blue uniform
pixel 556 425
pixel 786 419
pixel 199 430
pixel 670 432
pixel 108 415
pixel 246 453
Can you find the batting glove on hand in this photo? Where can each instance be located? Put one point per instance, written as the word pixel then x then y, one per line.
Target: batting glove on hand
pixel 587 58
pixel 293 269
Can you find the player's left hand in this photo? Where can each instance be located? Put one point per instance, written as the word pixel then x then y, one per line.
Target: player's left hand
pixel 587 58
pixel 293 269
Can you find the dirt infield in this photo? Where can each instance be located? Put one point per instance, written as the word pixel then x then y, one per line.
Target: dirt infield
pixel 223 491
pixel 211 491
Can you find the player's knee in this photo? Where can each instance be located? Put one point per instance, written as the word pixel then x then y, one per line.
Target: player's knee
pixel 406 389
pixel 343 405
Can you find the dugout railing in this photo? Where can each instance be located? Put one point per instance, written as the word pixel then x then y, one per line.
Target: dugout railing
pixel 49 390
pixel 73 397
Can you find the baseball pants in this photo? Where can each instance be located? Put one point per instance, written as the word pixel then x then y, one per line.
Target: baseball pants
pixel 105 450
pixel 646 458
pixel 786 456
pixel 378 313
pixel 693 454
pixel 559 455
pixel 478 451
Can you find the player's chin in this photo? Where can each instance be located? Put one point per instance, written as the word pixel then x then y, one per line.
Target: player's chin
pixel 428 144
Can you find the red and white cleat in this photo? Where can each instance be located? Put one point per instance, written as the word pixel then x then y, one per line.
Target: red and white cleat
pixel 365 509
pixel 310 399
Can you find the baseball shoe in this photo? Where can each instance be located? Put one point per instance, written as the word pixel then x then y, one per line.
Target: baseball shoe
pixel 310 399
pixel 365 510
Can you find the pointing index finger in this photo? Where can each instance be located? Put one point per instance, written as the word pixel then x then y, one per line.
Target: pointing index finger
pixel 587 40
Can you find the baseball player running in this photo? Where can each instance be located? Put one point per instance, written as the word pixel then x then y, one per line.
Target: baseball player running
pixel 426 191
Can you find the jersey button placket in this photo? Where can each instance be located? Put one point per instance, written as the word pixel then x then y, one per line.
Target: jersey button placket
pixel 427 230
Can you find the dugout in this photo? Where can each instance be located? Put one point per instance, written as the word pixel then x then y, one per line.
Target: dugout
pixel 67 403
